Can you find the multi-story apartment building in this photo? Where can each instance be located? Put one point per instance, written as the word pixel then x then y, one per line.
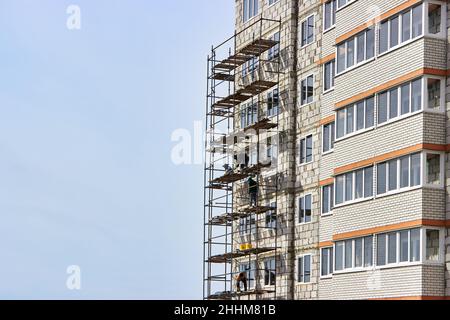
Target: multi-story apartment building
pixel 348 99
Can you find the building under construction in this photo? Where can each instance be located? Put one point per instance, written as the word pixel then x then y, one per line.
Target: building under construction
pixel 327 152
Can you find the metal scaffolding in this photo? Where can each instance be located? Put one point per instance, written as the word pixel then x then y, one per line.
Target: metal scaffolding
pixel 228 163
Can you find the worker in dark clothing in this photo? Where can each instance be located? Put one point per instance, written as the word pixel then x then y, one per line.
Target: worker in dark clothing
pixel 252 191
pixel 242 277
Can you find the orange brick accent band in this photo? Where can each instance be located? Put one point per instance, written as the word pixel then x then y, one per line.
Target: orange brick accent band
pixel 326 244
pixel 326 182
pixel 327 59
pixel 381 17
pixel 390 84
pixel 326 120
pixel 391 227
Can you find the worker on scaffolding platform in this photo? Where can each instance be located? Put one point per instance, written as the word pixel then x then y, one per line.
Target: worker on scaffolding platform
pixel 242 277
pixel 252 191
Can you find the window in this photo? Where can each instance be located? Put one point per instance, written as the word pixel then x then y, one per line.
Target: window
pixel 354 253
pixel 326 261
pixel 307 90
pixel 308 31
pixel 305 209
pixel 247 225
pixel 271 2
pixel 397 29
pixel 249 114
pixel 342 3
pixel 274 51
pixel 433 166
pixel 306 149
pixel 328 137
pixel 434 93
pixel 249 269
pixel 398 173
pixel 355 117
pixel 363 181
pixel 329 73
pixel 327 199
pixel 398 246
pixel 250 67
pixel 304 269
pixel 400 101
pixel 271 217
pixel 432 245
pixel 269 272
pixel 250 9
pixel 356 50
pixel 434 18
pixel 329 15
pixel 273 103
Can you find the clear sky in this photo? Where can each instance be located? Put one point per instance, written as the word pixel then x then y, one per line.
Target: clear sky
pixel 86 176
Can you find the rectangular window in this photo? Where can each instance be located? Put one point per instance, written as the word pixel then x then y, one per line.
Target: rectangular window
pixel 406 26
pixel 417 23
pixel 368 251
pixel 432 245
pixel 434 93
pixel 394 31
pixel 349 187
pixel 392 185
pixel 340 180
pixel 341 58
pixel 304 269
pixel 404 172
pixel 350 53
pixel 250 9
pixel 382 107
pixel 348 254
pixel 327 199
pixel 272 103
pixel 249 269
pixel 306 149
pixel 404 248
pixel 416 88
pixel 393 103
pixel 305 209
pixel 405 98
pixel 368 182
pixel 329 15
pixel 328 137
pixel 269 272
pixel 414 245
pixel 370 112
pixel 329 72
pixel 392 247
pixel 358 253
pixel 326 261
pixel 350 121
pixel 415 179
pixel 370 43
pixel 433 166
pixel 381 250
pixel 360 115
pixel 307 90
pixel 384 37
pixel 308 31
pixel 381 178
pixel 339 263
pixel 360 47
pixel 341 116
pixel 271 217
pixel 434 18
pixel 275 50
pixel 359 184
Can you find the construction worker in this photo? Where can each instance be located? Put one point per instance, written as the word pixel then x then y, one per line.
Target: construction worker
pixel 228 169
pixel 252 191
pixel 242 277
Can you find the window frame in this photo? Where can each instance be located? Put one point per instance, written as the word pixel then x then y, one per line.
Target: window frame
pixel 331 137
pixel 301 90
pixel 250 10
pixel 332 74
pixel 330 200
pixel 306 20
pixel 355 64
pixel 274 271
pixel 353 267
pixel 333 15
pixel 353 200
pixel 302 215
pixel 303 150
pixel 302 278
pixel 355 131
pixel 330 266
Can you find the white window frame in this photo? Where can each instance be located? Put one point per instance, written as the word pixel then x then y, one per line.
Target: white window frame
pixel 298 209
pixel 333 23
pixel 332 77
pixel 354 200
pixel 330 272
pixel 424 170
pixel 255 13
pixel 355 119
pixel 363 262
pixel 305 138
pixel 301 31
pixel 330 196
pixel 331 141
pixel 274 2
pixel 348 2
pixel 264 273
pixel 303 269
pixel 444 26
pixel 425 101
pixel 252 268
pixel 356 64
pixel 441 259
pixel 313 90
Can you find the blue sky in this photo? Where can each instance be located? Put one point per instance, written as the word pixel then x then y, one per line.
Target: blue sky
pixel 86 176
